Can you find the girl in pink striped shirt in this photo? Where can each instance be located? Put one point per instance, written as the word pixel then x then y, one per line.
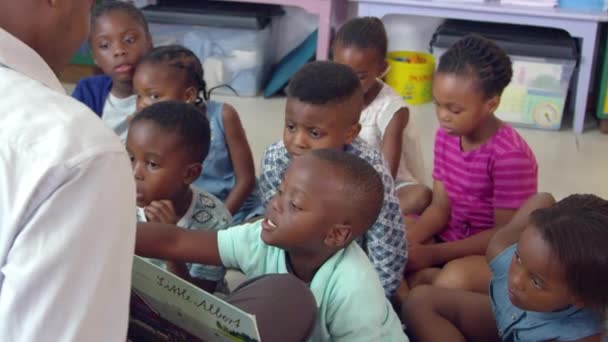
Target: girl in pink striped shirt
pixel 483 169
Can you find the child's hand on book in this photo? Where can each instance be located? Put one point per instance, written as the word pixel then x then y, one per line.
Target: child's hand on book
pixel 161 212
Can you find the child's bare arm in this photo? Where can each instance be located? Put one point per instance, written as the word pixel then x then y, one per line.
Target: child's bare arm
pixel 503 216
pixel 242 159
pixel 392 139
pixel 473 245
pixel 169 242
pixel 509 234
pixel 434 218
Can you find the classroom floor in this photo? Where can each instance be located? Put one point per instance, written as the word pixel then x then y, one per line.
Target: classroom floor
pixel 568 163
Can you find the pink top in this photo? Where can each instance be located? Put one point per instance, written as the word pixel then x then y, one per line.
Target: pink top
pixel 500 174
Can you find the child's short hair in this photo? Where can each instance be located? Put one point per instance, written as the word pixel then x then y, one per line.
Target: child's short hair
pixel 364 33
pixel 183 59
pixel 323 82
pixel 121 6
pixel 576 228
pixel 363 184
pixel 186 120
pixel 480 58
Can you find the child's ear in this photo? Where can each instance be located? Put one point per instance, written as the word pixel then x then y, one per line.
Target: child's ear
pixel 383 69
pixel 191 94
pixel 493 103
pixel 193 171
pixel 338 236
pixel 353 132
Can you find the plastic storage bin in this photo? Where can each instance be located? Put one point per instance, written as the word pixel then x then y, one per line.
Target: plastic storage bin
pixel 536 96
pixel 589 5
pixel 602 101
pixel 240 58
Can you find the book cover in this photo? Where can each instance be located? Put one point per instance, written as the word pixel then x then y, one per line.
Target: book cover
pixel 164 307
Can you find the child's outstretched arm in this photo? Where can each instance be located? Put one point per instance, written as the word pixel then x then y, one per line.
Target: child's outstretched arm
pixel 509 234
pixel 392 139
pixel 434 218
pixel 169 242
pixel 241 157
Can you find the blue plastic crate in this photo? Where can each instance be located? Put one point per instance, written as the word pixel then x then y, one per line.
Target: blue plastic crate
pixel 597 5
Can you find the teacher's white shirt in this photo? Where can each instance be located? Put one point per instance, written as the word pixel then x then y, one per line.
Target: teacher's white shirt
pixel 67 199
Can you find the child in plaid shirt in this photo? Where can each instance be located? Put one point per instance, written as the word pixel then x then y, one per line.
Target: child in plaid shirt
pixel 324 103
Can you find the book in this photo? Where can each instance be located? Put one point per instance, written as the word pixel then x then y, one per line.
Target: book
pixel 165 307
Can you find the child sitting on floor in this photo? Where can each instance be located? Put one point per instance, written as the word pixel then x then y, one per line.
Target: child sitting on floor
pixel 175 73
pixel 324 102
pixel 386 123
pixel 550 269
pixel 119 38
pixel 327 199
pixel 484 170
pixel 167 142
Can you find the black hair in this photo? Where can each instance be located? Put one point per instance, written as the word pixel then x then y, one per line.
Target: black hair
pixel 186 120
pixel 480 58
pixel 183 59
pixel 364 33
pixel 323 82
pixel 576 229
pixel 363 187
pixel 128 8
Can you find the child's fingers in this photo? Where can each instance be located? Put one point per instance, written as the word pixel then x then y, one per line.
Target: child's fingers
pixel 167 206
pixel 163 210
pixel 155 214
pixel 152 214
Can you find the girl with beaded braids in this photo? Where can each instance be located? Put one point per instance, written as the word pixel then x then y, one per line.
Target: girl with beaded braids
pixel 175 73
pixel 483 170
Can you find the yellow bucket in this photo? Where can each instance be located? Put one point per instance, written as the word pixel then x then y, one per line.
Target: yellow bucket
pixel 411 75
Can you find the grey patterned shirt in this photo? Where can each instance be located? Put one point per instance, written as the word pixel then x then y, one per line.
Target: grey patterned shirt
pixel 385 242
pixel 206 212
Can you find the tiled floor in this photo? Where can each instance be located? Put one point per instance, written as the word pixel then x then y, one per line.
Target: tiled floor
pixel 568 163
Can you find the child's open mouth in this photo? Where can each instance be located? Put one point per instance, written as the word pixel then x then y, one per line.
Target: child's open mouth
pixel 268 225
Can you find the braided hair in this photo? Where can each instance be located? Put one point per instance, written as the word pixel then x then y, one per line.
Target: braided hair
pixel 364 33
pixel 184 60
pixel 480 58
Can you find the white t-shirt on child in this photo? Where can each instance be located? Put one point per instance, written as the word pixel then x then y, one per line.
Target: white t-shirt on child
pixel 115 114
pixel 374 120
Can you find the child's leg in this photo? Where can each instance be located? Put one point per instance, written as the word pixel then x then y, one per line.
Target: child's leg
pixel 470 273
pixel 425 276
pixel 435 314
pixel 414 198
pixel 284 307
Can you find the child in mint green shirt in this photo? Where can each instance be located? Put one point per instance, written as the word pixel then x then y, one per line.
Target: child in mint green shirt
pixel 327 199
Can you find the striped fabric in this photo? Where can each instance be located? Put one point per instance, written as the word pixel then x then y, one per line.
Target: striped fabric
pixel 500 174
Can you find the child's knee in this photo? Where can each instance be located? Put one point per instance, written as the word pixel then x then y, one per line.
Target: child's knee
pixel 414 199
pixel 419 298
pixel 468 273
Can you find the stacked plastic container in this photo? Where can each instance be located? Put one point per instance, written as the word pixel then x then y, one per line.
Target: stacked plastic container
pixel 587 5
